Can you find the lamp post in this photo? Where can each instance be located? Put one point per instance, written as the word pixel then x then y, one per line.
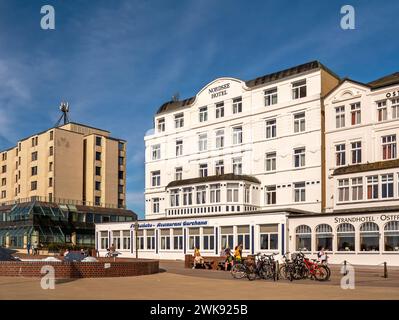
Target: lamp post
pixel 136 229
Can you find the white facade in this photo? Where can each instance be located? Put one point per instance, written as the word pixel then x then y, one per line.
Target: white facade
pixel 269 131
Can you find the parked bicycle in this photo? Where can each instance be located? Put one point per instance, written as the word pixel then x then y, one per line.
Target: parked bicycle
pixel 262 266
pixel 311 269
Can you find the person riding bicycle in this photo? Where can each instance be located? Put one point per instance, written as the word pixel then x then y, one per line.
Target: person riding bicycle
pixel 238 253
pixel 229 258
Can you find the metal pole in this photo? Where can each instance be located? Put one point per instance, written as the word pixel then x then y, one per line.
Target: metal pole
pixel 345 272
pixel 385 270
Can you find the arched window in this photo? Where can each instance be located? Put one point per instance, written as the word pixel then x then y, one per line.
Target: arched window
pixel 346 237
pixel 369 237
pixel 391 236
pixel 324 237
pixel 303 238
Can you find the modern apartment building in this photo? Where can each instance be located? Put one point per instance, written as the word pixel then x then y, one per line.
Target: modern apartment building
pixel 74 171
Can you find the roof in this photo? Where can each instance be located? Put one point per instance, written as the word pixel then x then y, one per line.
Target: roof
pixel 385 81
pixel 265 79
pixel 215 178
pixel 379 165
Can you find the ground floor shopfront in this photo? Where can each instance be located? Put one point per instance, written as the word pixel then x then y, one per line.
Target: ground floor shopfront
pixel 359 238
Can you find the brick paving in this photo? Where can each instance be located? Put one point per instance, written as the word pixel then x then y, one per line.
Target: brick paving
pixel 176 282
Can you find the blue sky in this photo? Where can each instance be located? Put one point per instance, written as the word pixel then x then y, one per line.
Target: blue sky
pixel 116 62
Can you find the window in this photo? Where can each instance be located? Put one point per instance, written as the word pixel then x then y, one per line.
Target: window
pixel 299 192
pixel 116 239
pixel 232 192
pixel 156 152
pixel 324 237
pixel 33 171
pixel 4 169
pixel 4 156
pixel 271 161
pixel 203 142
pixel 179 148
pixel 203 170
pixel 219 110
pixel 299 157
pixel 193 238
pixel 187 196
pixel 177 239
pixel 391 236
pixel 98 141
pixel 387 186
pixel 268 236
pixel 237 166
pixel 98 185
pixel 120 188
pixel 203 114
pixel 121 160
pixel 179 173
pixel 51 135
pixel 104 239
pixel 97 201
pixel 356 152
pixel 299 89
pixel 140 239
pixel 215 193
pixel 50 182
pixel 343 190
pixel 303 237
pixel 150 239
pixel 34 142
pixel 227 237
pixel 126 239
pixel 3 194
pixel 237 135
pixel 395 108
pixel 33 185
pixel 165 239
pixel 346 237
pixel 372 187
pixel 98 156
pixel 340 117
pixel 271 129
pixel 270 96
pixel 179 120
pixel 98 171
pixel 270 194
pixel 369 237
pixel 3 181
pixel 208 239
pixel 161 125
pixel 243 237
pixel 247 194
pixel 340 155
pixel 201 194
pixel 34 156
pixel 156 178
pixel 121 146
pixel 120 175
pixel 174 198
pixel 389 147
pixel 299 122
pixel 382 113
pixel 355 113
pixel 219 167
pixel 237 105
pixel 357 189
pixel 220 138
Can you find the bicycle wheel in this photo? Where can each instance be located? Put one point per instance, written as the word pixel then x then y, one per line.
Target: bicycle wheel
pixel 321 273
pixel 238 271
pixel 284 271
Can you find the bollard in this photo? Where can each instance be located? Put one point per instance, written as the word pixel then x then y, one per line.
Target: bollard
pixel 277 270
pixel 385 270
pixel 345 272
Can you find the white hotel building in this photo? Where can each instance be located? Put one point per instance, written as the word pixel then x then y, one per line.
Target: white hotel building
pixel 254 162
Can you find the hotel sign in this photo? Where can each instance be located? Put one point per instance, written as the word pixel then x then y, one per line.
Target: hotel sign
pixel 382 217
pixel 219 91
pixel 392 94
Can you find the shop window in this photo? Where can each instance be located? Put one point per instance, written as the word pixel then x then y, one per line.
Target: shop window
pixel 268 237
pixel 369 237
pixel 194 238
pixel 116 239
pixel 303 236
pixel 104 239
pixel 227 237
pixel 208 239
pixel 165 239
pixel 243 237
pixel 150 239
pixel 346 237
pixel 324 237
pixel 140 239
pixel 126 239
pixel 391 236
pixel 178 239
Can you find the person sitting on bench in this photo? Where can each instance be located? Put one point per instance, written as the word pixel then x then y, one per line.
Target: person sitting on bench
pixel 198 259
pixel 229 258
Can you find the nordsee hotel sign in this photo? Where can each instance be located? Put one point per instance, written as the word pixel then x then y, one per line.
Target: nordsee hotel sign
pixel 172 224
pixel 219 91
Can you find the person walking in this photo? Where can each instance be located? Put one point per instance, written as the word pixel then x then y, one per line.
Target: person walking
pixel 28 246
pixel 238 253
pixel 35 248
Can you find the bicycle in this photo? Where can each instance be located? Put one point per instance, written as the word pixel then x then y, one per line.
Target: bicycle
pixel 312 269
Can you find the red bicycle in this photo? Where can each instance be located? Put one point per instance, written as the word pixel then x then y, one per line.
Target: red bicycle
pixel 311 269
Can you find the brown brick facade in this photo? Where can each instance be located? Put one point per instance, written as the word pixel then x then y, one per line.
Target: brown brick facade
pixel 63 270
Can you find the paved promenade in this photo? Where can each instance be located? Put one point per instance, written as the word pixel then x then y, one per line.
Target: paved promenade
pixel 176 282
